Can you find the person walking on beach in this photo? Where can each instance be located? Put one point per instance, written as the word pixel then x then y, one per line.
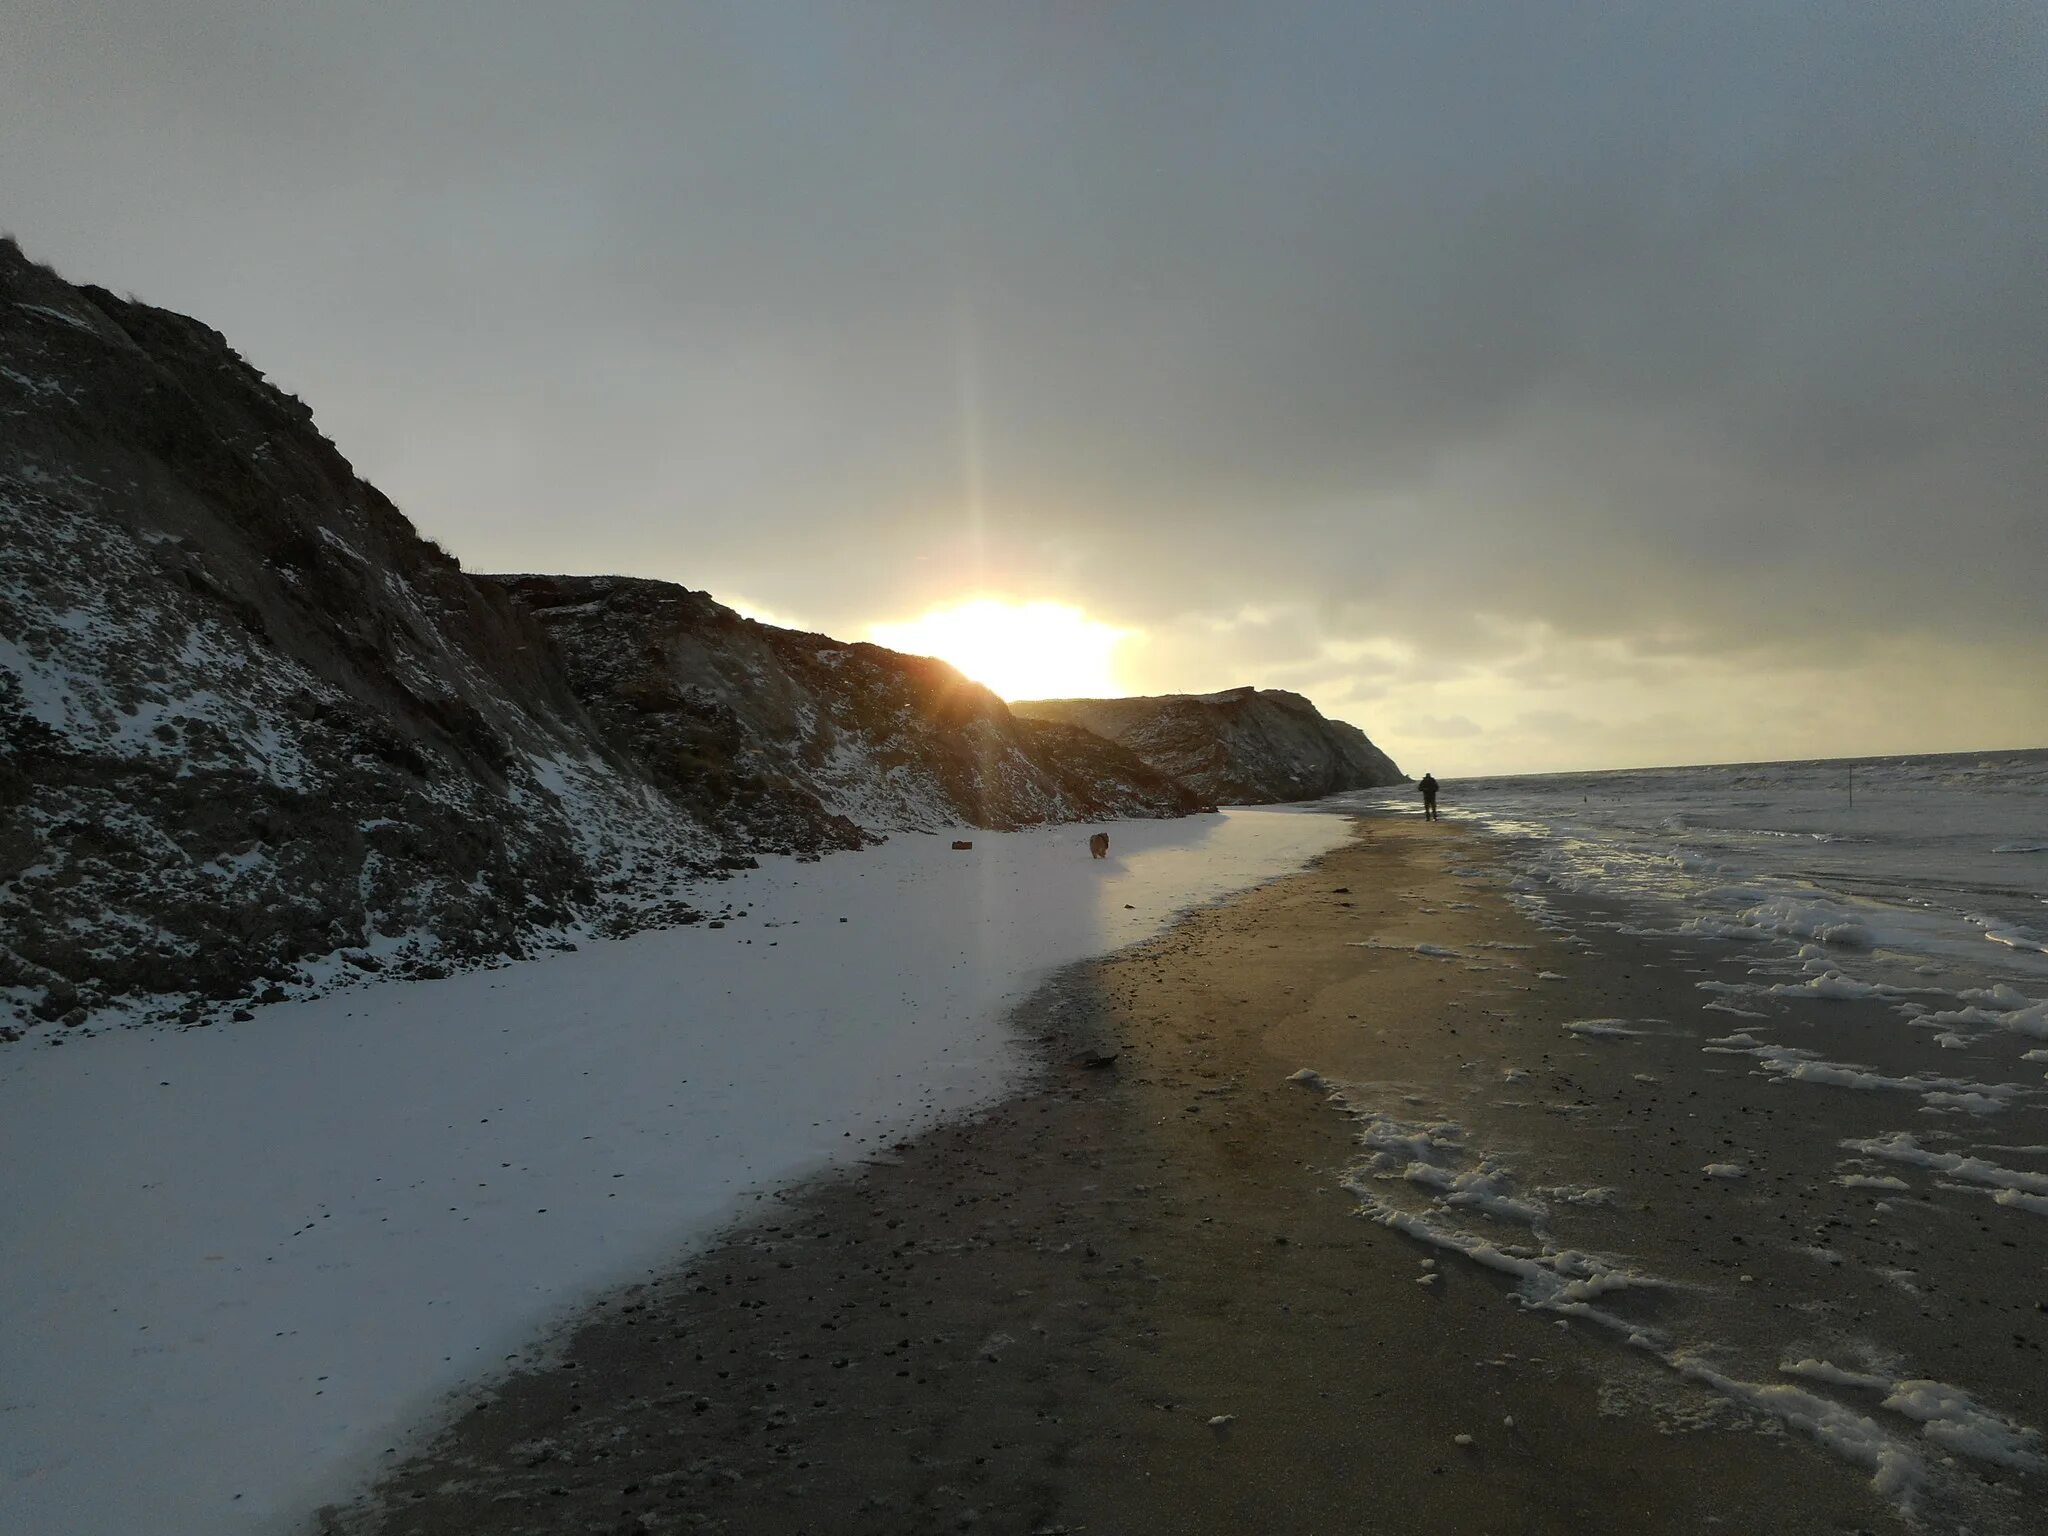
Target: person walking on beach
pixel 1428 786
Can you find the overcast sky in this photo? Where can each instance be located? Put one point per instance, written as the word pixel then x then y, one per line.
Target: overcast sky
pixel 1534 385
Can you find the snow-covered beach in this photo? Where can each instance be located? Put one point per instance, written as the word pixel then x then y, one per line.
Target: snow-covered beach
pixel 238 1263
pixel 1669 1146
pixel 1397 1210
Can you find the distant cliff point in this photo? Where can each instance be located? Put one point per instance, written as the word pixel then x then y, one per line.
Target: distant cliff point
pixel 1243 746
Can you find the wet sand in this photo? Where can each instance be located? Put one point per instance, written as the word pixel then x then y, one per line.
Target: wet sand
pixel 1028 1322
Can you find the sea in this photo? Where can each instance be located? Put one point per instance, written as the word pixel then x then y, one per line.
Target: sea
pixel 1902 868
pixel 1807 1169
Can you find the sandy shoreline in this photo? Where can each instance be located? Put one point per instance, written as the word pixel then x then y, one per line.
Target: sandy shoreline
pixel 1026 1322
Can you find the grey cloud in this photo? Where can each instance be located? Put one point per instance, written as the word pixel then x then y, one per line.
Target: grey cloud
pixel 1707 330
pixel 1444 727
pixel 1552 722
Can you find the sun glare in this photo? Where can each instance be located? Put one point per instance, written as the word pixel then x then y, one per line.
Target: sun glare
pixel 1020 650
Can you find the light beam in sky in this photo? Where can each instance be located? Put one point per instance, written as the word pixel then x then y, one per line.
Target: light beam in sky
pixel 1036 650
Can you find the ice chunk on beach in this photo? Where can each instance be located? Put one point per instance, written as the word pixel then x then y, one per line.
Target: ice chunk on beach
pixel 1791 1064
pixel 1822 1370
pixel 1951 1418
pixel 1846 1432
pixel 1602 1029
pixel 1832 986
pixel 1972 1103
pixel 1894 1469
pixel 1948 1415
pixel 2007 1007
pixel 1429 951
pixel 1899 1147
pixel 1740 1013
pixel 1433 1155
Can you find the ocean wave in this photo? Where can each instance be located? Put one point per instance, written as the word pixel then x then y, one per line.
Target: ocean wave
pixel 2017 938
pixel 1930 859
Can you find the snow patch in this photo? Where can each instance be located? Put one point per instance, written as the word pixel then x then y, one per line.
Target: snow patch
pixel 397 1187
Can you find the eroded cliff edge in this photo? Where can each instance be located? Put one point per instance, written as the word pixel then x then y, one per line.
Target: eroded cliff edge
pixel 1243 746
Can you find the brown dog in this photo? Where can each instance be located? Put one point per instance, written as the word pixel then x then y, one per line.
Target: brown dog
pixel 1098 845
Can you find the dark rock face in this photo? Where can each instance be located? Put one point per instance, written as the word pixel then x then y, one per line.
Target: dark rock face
pixel 257 735
pixel 1244 746
pixel 798 739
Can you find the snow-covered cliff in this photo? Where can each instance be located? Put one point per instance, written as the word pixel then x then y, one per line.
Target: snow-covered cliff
pixel 1244 746
pixel 257 735
pixel 730 716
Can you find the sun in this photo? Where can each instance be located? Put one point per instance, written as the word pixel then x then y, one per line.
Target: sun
pixel 1018 650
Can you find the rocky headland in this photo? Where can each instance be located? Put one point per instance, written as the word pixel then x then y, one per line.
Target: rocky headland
pixel 1243 746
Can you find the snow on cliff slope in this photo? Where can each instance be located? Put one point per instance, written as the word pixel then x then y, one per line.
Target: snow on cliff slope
pixel 879 740
pixel 1244 746
pixel 257 735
